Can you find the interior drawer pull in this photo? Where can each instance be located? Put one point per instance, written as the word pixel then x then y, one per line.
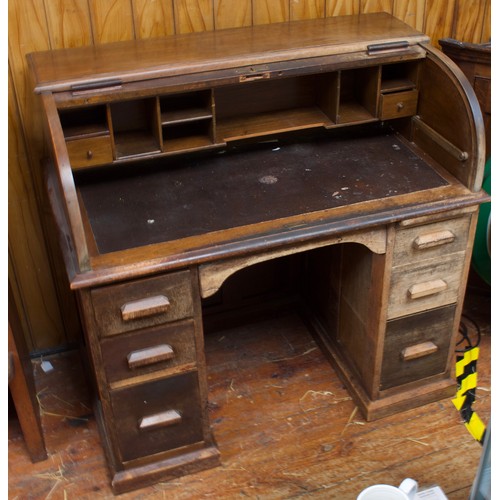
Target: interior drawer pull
pixel 163 419
pixel 150 355
pixel 427 288
pixel 256 76
pixel 435 239
pixel 150 306
pixel 418 351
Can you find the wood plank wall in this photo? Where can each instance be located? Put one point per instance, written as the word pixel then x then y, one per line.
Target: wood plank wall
pixel 35 268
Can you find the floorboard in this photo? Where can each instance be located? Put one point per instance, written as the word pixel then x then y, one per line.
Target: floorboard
pixel 285 425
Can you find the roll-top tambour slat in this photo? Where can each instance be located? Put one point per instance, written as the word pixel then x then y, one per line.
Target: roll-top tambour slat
pixel 427 288
pixel 163 419
pixel 150 355
pixel 143 308
pixel 429 240
pixel 418 351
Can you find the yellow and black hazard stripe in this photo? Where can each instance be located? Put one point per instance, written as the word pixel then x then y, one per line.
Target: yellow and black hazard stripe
pixel 466 373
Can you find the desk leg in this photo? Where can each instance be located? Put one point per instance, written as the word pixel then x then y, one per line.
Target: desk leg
pixel 22 388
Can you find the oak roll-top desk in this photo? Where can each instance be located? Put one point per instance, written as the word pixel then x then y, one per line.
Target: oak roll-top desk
pixel 347 145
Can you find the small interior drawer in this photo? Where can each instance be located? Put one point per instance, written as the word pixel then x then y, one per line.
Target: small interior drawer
pixel 425 285
pixel 90 151
pixel 149 350
pixel 398 104
pixel 157 416
pixel 142 303
pixel 417 347
pixel 431 240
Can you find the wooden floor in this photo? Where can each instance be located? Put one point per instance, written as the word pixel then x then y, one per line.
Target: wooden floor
pixel 285 426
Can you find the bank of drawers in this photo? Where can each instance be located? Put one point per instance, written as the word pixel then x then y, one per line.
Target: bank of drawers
pixel 428 264
pixel 148 348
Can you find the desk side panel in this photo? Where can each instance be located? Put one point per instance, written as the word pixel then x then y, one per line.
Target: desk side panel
pixel 449 126
pixel 64 183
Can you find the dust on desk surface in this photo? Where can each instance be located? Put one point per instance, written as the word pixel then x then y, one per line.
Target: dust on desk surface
pixel 181 197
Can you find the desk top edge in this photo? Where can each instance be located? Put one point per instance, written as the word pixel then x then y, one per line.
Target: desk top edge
pixel 135 60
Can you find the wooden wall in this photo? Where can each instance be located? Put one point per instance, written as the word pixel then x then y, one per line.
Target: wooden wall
pixel 35 269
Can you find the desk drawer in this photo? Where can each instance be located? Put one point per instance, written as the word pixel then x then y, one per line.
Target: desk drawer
pixel 157 416
pixel 431 240
pixel 417 347
pixel 143 303
pixel 89 152
pixel 149 350
pixel 426 285
pixel 398 104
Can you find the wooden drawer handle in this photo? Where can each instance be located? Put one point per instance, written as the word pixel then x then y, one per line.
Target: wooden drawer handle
pixel 435 239
pixel 150 355
pixel 150 306
pixel 418 351
pixel 163 419
pixel 427 288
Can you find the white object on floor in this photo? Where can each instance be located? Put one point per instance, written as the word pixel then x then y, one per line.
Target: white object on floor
pixel 434 493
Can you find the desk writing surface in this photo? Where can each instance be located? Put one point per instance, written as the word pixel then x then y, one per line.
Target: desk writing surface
pixel 180 197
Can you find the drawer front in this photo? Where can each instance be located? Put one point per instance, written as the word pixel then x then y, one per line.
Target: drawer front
pixel 417 347
pixel 89 152
pixel 426 285
pixel 398 104
pixel 143 303
pixel 157 416
pixel 149 350
pixel 431 240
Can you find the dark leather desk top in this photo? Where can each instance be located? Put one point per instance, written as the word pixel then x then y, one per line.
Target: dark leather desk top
pixel 187 197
